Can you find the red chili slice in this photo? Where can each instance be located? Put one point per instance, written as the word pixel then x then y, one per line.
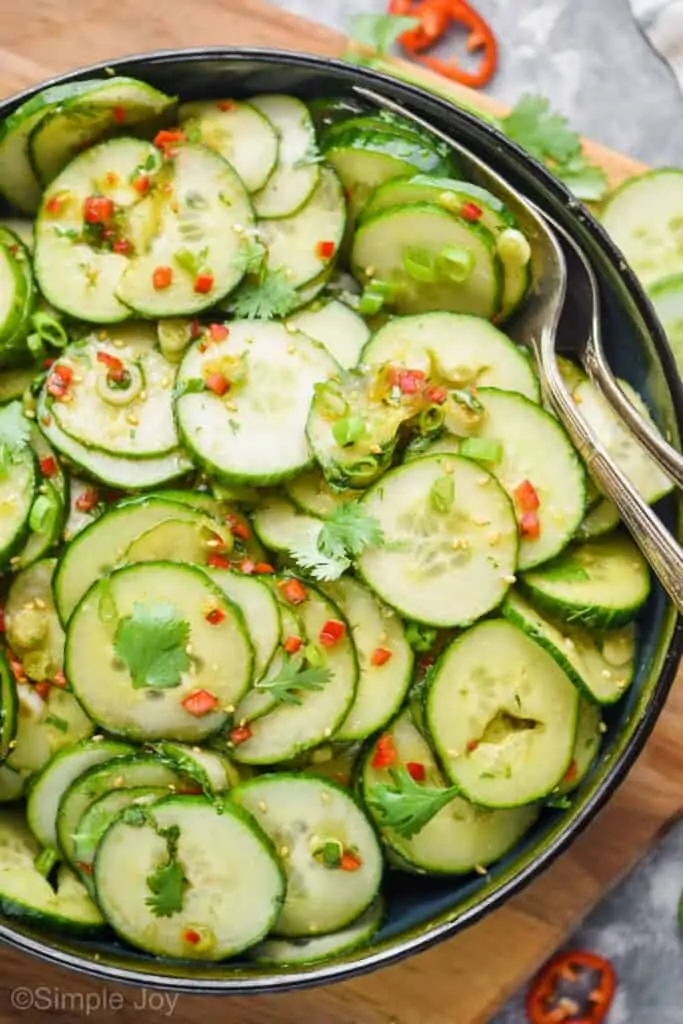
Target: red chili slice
pixel 240 735
pixel 294 591
pixel 42 689
pixel 119 115
pixel 436 395
pixel 247 567
pixel 416 770
pixel 292 644
pixel 380 656
pixel 470 211
pixel 225 105
pixel 238 528
pixel 203 283
pixel 98 209
pixel 530 526
pixel 410 381
pixel 332 632
pixel 48 466
pixel 122 246
pixel 218 332
pixel 218 383
pixel 325 250
pixel 141 184
pixel 575 986
pixel 215 616
pixel 87 501
pixel 263 569
pixel 165 140
pixel 385 753
pixel 526 497
pixel 199 703
pixel 191 936
pixel 60 680
pixel 162 278
pixel 218 562
pixel 350 861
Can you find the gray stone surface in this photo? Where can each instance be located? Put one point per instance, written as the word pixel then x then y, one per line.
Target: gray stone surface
pixel 587 56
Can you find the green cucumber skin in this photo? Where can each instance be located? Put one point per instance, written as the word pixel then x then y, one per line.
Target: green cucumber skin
pixel 394 130
pixel 592 617
pixel 9 707
pixel 20 536
pixel 49 922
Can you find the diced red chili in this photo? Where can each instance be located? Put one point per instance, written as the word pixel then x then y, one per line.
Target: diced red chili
pixel 529 526
pixel 87 501
pixel 436 395
pixel 292 644
pixel 203 283
pixel 350 861
pixel 218 332
pixel 42 689
pixel 325 250
pixel 59 679
pixel 48 466
pixel 410 381
pixel 122 246
pixel 111 179
pixel 332 632
pixel 119 115
pixel 87 869
pixel 571 772
pixel 470 211
pixel 215 616
pixel 575 986
pixel 166 138
pixel 191 936
pixel 199 703
pixel 218 383
pixel 225 105
pixel 218 562
pixel 385 752
pixel 238 528
pixel 162 277
pixel 240 735
pixel 113 363
pixel 141 184
pixel 195 330
pixel 416 771
pixel 263 569
pixel 54 204
pixel 294 591
pixel 380 656
pixel 472 746
pixel 526 497
pixel 98 209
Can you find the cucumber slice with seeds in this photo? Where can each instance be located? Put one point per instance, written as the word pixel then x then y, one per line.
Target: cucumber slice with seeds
pixel 211 769
pixel 234 883
pixel 415 250
pixel 238 132
pixel 294 243
pixel 291 952
pixel 48 511
pixel 295 175
pixel 179 540
pixel 269 408
pixel 15 306
pixel 336 326
pixel 98 817
pixel 602 665
pixel 645 219
pixel 302 814
pixel 44 727
pixel 280 525
pixel 461 836
pixel 261 613
pixel 32 625
pixel 600 583
pixel 49 787
pixel 601 519
pixel 105 683
pixel 311 493
pixel 444 565
pixel 502 715
pixel 463 351
pixel 9 708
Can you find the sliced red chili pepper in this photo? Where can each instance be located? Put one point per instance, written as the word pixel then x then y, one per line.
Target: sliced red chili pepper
pixel 472 746
pixel 350 861
pixel 238 528
pixel 416 770
pixel 98 209
pixel 87 869
pixel 470 211
pixel 385 752
pixel 263 569
pixel 122 246
pixel 119 115
pixel 435 17
pixel 54 204
pixel 59 381
pixel 571 772
pixel 162 277
pixel 42 689
pixel 526 497
pixel 218 332
pixel 530 526
pixel 218 562
pixel 325 250
pixel 203 283
pixel 218 383
pixel 200 703
pixel 332 632
pixel 215 616
pixel 141 184
pixel 294 591
pixel 113 363
pixel 87 501
pixel 410 381
pixel 292 644
pixel 575 986
pixel 48 466
pixel 166 138
pixel 380 656
pixel 436 395
pixel 240 735
pixel 60 680
pixel 191 936
pixel 225 105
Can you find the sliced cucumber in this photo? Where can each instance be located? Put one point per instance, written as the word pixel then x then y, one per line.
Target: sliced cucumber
pixel 311 493
pixel 459 350
pixel 106 683
pixel 534 447
pixel 450 193
pixel 234 883
pixel 49 787
pixel 645 218
pixel 291 952
pixel 244 544
pixel 502 715
pixel 602 665
pixel 121 773
pixel 255 433
pixel 87 117
pixel 259 700
pixel 642 471
pixel 442 564
pixel 431 259
pixel 211 769
pixel 296 172
pixel 9 708
pixel 588 739
pixel 667 298
pixel 44 727
pixel 22 229
pixel 17 481
pixel 15 347
pixel 238 132
pixel 74 275
pixel 601 519
pixel 385 659
pixel 195 229
pixel 260 610
pixel 32 625
pixel 280 525
pixel 180 540
pixel 290 728
pixel 98 817
pixel 13 785
pixel 600 583
pixel 81 510
pixel 461 836
pixel 27 895
pixel 336 326
pixel 15 383
pixel 298 245
pixel 303 816
pixel 120 394
pixel 48 511
pixel 15 301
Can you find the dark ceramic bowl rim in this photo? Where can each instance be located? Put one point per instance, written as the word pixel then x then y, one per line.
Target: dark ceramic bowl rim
pixel 443 927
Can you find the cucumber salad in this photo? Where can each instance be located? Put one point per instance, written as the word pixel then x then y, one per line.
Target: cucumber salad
pixel 303 584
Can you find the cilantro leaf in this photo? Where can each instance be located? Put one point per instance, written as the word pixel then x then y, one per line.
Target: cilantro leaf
pixel 380 31
pixel 327 552
pixel 15 429
pixel 151 642
pixel 168 884
pixel 407 805
pixel 586 181
pixel 269 296
pixel 251 254
pixel 293 679
pixel 321 566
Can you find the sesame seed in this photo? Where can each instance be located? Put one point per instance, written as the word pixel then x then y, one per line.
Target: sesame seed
pixel 325 797
pixel 132 419
pixel 143 396
pixel 77 378
pixel 242 723
pixel 289 327
pixel 262 805
pixel 448 468
pixel 383 637
pixel 291 349
pixel 482 480
pixel 165 382
pixel 215 667
pixel 327 733
pixel 102 335
pixel 606 674
pixel 284 851
pixel 231 406
pixel 370 271
pixel 98 737
pixel 480 869
pixel 509 579
pixel 39 603
pixel 213 542
pixel 229 708
pixel 188 649
pixel 453 753
pixel 117 343
pixel 118 782
pixel 602 727
pixel 494 538
pixel 569 643
pixel 29 414
pixel 238 229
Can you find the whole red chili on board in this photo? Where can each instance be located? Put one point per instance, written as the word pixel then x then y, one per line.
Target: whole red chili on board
pixel 574 987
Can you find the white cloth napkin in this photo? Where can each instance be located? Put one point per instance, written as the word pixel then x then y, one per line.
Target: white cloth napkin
pixel 662 23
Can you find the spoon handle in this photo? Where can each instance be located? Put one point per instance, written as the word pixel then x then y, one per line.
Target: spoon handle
pixel 659 547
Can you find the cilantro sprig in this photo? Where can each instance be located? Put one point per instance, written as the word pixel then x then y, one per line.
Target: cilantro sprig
pixel 292 680
pixel 407 806
pixel 168 882
pixel 152 644
pixel 329 550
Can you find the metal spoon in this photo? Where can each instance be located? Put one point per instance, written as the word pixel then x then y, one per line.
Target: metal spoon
pixel 538 325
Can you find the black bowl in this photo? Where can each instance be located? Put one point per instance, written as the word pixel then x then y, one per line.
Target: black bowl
pixel 423 912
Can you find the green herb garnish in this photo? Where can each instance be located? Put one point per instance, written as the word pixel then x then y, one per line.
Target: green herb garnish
pixel 151 642
pixel 407 806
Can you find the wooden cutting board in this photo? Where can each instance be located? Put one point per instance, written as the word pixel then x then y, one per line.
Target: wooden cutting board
pixel 461 981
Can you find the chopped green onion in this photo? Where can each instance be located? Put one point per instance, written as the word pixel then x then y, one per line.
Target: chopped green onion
pixel 419 264
pixel 456 263
pixel 330 853
pixel 442 494
pixel 187 260
pixel 364 469
pixel 481 449
pixel 333 402
pixel 35 346
pixel 49 329
pixel 513 247
pixel 375 295
pixel 45 861
pixel 43 513
pixel 349 430
pixel 431 419
pixel 313 656
pixel 57 722
pixel 421 638
pixel 464 396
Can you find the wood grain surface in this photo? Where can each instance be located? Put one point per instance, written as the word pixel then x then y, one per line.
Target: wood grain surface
pixel 463 980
